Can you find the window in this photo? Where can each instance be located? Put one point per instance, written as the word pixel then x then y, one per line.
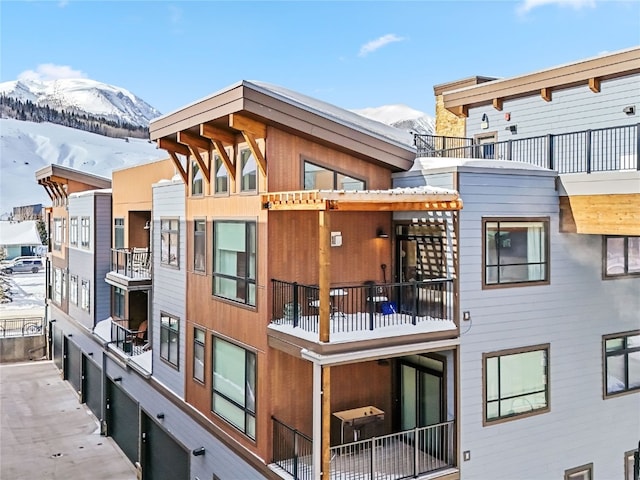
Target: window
pixel 85 296
pixel 622 256
pixel 234 385
pixel 222 177
pixel 118 302
pixel 515 251
pixel 73 231
pixel 622 362
pixel 234 265
pixel 320 178
pixel 64 285
pixel 57 286
pixel 249 169
pixel 73 289
pixel 516 382
pixel 118 233
pixel 57 234
pixel 199 245
pixel 585 472
pixel 169 236
pixel 169 339
pixel 631 462
pixel 85 225
pixel 198 354
pixel 196 179
pixel 486 145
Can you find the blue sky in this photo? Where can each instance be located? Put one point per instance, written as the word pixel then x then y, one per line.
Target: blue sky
pixel 352 54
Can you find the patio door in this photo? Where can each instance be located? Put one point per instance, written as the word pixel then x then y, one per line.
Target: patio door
pixel 421 391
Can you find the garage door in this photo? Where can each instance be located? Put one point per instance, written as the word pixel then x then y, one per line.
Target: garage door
pixel 56 334
pixel 92 387
pixel 164 457
pixel 122 420
pixel 73 364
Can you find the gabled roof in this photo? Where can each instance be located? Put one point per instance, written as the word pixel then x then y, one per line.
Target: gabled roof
pixel 19 233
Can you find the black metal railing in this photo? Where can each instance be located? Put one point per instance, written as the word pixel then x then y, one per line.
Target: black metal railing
pixel 292 451
pixel 598 150
pixel 132 263
pixel 363 307
pixel 22 327
pixel 130 342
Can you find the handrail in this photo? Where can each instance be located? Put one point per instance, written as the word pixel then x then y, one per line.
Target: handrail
pixel 132 263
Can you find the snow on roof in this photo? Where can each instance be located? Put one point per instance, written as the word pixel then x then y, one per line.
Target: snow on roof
pixel 86 193
pixel 427 163
pixel 19 233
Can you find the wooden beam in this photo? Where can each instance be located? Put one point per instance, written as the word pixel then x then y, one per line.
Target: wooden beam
pixel 179 167
pixel 196 141
pixel 594 84
pixel 255 150
pixel 46 189
pixel 497 103
pixel 228 163
pixel 214 133
pixel 171 146
pixel 545 93
pixel 460 111
pixel 326 422
pixel 324 234
pixel 245 124
pixel 56 179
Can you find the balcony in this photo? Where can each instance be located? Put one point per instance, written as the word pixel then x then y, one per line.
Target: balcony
pixel 388 312
pixel 600 150
pixel 405 454
pixel 130 268
pixel 128 341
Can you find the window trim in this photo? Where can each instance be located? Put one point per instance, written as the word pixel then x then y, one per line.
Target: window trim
pixel 167 360
pixel 626 273
pixel 216 156
pixel 202 271
pixel 118 225
pixel 514 351
pixel 202 344
pixel 168 263
pixel 73 231
pixel 73 292
pixel 240 175
pixel 547 244
pixel 628 474
pixel 85 307
pixel 85 228
pixel 58 234
pixel 626 351
pixel 582 468
pixel 331 169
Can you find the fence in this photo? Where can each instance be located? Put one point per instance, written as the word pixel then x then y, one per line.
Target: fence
pixel 22 327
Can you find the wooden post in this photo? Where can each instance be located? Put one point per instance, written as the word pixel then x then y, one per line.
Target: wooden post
pixel 324 231
pixel 326 422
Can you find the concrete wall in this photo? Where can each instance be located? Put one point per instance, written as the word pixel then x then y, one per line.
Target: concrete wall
pixel 16 349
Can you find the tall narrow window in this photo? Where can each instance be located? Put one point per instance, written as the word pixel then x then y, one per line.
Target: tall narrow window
pixel 196 179
pixel 85 296
pixel 234 385
pixel 57 285
pixel 73 231
pixel 118 302
pixel 198 353
pixel 516 382
pixel 118 233
pixel 222 177
pixel 234 265
pixel 199 245
pixel 170 339
pixel 248 167
pixel 622 256
pixel 85 232
pixel 73 289
pixel 631 465
pixel 516 251
pixel 169 236
pixel 57 234
pixel 622 362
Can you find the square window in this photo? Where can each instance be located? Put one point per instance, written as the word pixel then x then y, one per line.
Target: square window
pixel 621 256
pixel 622 363
pixel 234 261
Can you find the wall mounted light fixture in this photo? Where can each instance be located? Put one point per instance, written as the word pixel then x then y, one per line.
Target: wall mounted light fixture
pixel 160 416
pixel 380 233
pixel 629 109
pixel 117 379
pixel 198 451
pixel 147 225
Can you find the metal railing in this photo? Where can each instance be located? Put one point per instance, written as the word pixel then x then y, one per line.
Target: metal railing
pixel 292 451
pixel 405 454
pixel 22 327
pixel 132 263
pixel 598 150
pixel 363 307
pixel 130 342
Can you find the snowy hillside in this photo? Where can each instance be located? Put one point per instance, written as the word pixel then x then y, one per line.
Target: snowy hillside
pixel 400 116
pixel 26 147
pixel 82 95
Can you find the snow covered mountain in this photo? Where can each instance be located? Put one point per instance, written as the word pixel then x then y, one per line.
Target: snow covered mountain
pixel 400 116
pixel 82 95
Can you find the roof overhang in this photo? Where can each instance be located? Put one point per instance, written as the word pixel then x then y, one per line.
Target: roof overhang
pixel 55 180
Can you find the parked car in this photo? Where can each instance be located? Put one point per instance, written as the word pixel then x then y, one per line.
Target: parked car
pixel 24 265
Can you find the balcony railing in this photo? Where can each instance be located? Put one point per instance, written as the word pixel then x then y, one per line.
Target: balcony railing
pixel 132 263
pixel 599 150
pixel 406 454
pixel 363 307
pixel 22 327
pixel 130 342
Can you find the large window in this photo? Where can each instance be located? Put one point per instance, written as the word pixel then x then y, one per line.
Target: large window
pixel 320 178
pixel 57 286
pixel 85 296
pixel 234 261
pixel 118 233
pixel 234 385
pixel 73 231
pixel 249 169
pixel 169 339
pixel 221 177
pixel 198 353
pixel 622 256
pixel 118 302
pixel 85 232
pixel 516 382
pixel 169 236
pixel 73 289
pixel 584 472
pixel 196 179
pixel 515 251
pixel 199 245
pixel 622 362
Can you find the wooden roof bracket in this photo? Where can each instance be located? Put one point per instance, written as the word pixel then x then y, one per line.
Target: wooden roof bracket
pixel 594 84
pixel 175 148
pixel 460 111
pixel 251 129
pixel 194 143
pixel 47 189
pixel 219 138
pixel 228 163
pixel 497 103
pixel 545 93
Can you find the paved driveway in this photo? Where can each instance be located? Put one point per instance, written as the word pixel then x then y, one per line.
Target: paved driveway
pixel 46 434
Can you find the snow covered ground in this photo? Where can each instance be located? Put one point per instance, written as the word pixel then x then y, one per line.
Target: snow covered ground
pixel 27 291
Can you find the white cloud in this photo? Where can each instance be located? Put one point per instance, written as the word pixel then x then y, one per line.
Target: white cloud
pixel 63 3
pixel 528 5
pixel 49 71
pixel 374 45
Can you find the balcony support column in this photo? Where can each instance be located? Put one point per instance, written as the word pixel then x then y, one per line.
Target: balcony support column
pixel 326 422
pixel 316 452
pixel 324 230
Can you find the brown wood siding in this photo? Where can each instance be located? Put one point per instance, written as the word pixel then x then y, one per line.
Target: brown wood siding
pixel 601 214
